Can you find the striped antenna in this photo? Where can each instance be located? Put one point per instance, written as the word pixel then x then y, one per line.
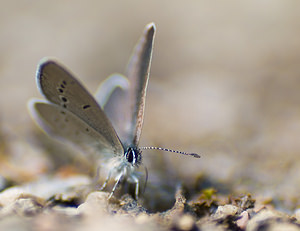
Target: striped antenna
pixel 170 150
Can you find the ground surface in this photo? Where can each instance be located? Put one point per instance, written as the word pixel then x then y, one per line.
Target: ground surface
pixel 76 208
pixel 224 83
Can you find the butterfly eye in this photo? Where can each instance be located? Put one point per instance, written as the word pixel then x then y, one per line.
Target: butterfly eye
pixel 130 155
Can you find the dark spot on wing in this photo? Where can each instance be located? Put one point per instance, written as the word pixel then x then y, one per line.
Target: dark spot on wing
pixel 64 99
pixel 64 82
pixel 86 106
pixel 87 129
pixel 62 86
pixel 60 90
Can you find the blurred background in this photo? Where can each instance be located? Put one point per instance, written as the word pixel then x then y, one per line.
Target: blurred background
pixel 224 83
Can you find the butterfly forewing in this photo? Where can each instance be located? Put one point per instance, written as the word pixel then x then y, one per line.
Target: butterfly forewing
pixel 131 101
pixel 62 89
pixel 138 73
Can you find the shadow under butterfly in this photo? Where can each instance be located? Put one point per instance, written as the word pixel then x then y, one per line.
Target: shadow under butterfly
pixel 110 123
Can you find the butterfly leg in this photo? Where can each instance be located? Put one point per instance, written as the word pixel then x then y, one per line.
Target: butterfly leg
pixel 106 181
pixel 115 186
pixel 137 185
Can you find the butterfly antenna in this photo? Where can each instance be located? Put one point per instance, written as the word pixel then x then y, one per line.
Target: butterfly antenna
pixel 170 150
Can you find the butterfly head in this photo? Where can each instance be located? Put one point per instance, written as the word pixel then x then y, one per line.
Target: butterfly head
pixel 133 156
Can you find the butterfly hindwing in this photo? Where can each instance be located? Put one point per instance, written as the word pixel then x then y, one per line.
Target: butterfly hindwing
pixel 64 125
pixel 108 87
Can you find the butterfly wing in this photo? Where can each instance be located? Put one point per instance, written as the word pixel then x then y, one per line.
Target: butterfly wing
pixel 130 100
pixel 62 89
pixel 109 87
pixel 64 125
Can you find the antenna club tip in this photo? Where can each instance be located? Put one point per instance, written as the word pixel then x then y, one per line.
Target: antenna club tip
pixel 195 155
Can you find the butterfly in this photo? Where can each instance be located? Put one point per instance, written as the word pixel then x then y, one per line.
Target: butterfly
pixel 110 123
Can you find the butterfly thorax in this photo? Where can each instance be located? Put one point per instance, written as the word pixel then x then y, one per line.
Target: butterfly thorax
pixel 133 156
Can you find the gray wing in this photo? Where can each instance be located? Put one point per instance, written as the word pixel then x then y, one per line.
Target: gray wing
pixel 109 86
pixel 61 88
pixel 125 107
pixel 64 125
